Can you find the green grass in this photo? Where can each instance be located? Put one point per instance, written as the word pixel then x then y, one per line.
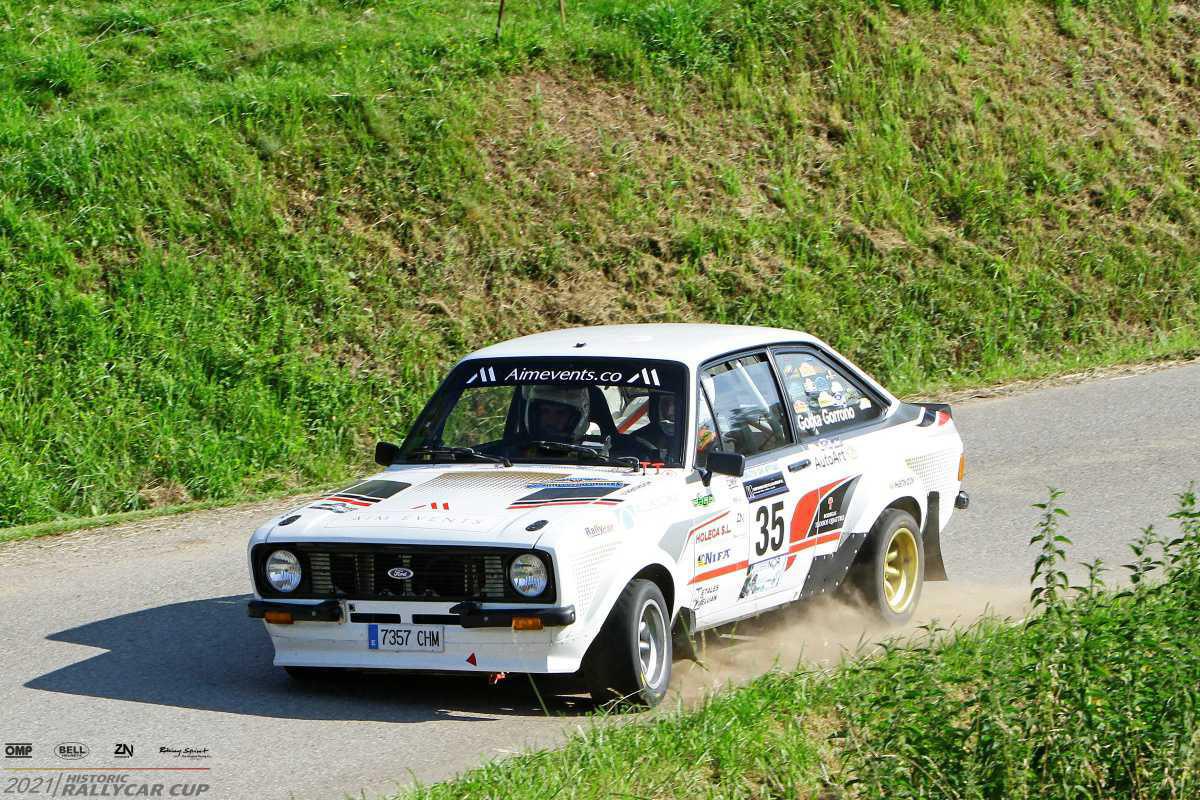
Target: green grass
pixel 240 240
pixel 1095 695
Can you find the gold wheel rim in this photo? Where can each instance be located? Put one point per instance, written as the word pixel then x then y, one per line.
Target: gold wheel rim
pixel 900 570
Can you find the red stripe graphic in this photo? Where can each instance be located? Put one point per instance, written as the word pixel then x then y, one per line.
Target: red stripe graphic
pixel 349 500
pixel 814 541
pixel 718 572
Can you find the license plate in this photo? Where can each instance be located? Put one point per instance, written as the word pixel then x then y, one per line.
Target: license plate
pixel 406 638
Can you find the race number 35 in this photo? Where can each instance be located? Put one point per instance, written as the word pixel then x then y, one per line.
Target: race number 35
pixel 770 526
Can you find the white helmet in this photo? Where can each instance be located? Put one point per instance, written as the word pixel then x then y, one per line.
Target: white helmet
pixel 542 401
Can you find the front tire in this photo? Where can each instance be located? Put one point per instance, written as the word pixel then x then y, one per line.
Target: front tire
pixel 629 662
pixel 891 574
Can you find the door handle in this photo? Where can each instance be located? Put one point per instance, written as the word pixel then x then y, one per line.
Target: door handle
pixel 799 465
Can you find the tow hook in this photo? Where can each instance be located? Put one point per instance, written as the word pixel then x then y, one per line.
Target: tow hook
pixel 496 677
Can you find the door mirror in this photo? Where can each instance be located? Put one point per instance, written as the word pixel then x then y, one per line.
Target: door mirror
pixel 733 464
pixel 386 453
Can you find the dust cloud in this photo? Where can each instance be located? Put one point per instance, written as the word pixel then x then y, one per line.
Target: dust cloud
pixel 822 632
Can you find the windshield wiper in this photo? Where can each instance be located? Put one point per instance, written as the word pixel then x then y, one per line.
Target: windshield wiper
pixel 460 451
pixel 583 450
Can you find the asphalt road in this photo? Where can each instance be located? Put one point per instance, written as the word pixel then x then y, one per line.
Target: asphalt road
pixel 138 634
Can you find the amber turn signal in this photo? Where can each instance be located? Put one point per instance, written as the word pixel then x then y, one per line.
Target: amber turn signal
pixel 527 623
pixel 962 466
pixel 278 617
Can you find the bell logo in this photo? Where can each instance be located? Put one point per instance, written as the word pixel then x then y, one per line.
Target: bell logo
pixel 72 751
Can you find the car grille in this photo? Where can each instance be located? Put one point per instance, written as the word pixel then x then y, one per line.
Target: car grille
pixel 360 572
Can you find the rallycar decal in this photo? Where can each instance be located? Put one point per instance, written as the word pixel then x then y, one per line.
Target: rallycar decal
pixel 764 487
pixel 360 495
pixel 820 515
pixel 569 492
pixel 763 577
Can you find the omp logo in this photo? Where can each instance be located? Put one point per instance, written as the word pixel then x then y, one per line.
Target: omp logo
pixel 485 375
pixel 646 376
pixel 72 751
pixel 400 573
pixel 123 750
pixel 18 750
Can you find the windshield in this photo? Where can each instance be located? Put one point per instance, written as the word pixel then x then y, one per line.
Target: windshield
pixel 556 410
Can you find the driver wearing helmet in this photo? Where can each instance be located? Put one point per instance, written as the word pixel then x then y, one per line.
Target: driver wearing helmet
pixel 557 413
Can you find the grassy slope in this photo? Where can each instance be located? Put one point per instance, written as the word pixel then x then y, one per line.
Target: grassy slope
pixel 1097 697
pixel 239 240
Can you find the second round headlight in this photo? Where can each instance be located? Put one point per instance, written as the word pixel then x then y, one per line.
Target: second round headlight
pixel 528 575
pixel 283 571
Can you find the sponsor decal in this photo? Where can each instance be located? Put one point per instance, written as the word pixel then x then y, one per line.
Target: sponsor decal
pixel 830 452
pixel 400 573
pixel 703 596
pixel 18 749
pixel 443 506
pixel 190 753
pixel 360 495
pixel 702 500
pixel 902 483
pixel 763 577
pixel 580 483
pixel 820 516
pixel 123 750
pixel 569 492
pixel 827 416
pixel 71 751
pixel 712 558
pixel 599 529
pixel 764 487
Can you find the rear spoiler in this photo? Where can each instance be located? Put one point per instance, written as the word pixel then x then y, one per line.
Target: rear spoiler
pixel 941 413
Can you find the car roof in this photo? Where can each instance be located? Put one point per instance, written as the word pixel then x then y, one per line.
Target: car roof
pixel 687 342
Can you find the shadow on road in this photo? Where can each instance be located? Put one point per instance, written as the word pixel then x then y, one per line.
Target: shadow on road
pixel 207 654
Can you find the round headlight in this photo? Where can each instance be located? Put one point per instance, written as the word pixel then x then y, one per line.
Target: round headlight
pixel 528 575
pixel 283 571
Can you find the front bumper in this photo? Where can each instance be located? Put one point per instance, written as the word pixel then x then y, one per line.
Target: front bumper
pixel 334 633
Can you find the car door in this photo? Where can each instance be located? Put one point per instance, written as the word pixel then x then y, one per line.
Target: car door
pixel 750 419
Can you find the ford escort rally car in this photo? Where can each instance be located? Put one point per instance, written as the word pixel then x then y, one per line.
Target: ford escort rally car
pixel 588 500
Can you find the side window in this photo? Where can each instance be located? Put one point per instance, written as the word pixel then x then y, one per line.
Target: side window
pixel 822 399
pixel 747 405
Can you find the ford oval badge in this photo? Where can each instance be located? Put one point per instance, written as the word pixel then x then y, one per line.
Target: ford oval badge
pixel 400 573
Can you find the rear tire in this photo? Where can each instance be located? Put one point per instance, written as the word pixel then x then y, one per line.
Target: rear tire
pixel 891 572
pixel 629 662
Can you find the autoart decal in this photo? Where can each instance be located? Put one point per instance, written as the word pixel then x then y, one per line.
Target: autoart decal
pixel 360 495
pixel 570 492
pixel 820 515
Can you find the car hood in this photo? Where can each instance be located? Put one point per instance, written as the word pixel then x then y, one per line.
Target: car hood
pixel 450 504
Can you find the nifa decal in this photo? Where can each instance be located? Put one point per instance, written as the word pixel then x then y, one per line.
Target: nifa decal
pixel 360 495
pixel 764 487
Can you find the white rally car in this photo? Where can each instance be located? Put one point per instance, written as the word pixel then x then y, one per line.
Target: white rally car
pixel 588 499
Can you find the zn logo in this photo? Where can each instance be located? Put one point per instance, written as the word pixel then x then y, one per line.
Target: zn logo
pixel 123 750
